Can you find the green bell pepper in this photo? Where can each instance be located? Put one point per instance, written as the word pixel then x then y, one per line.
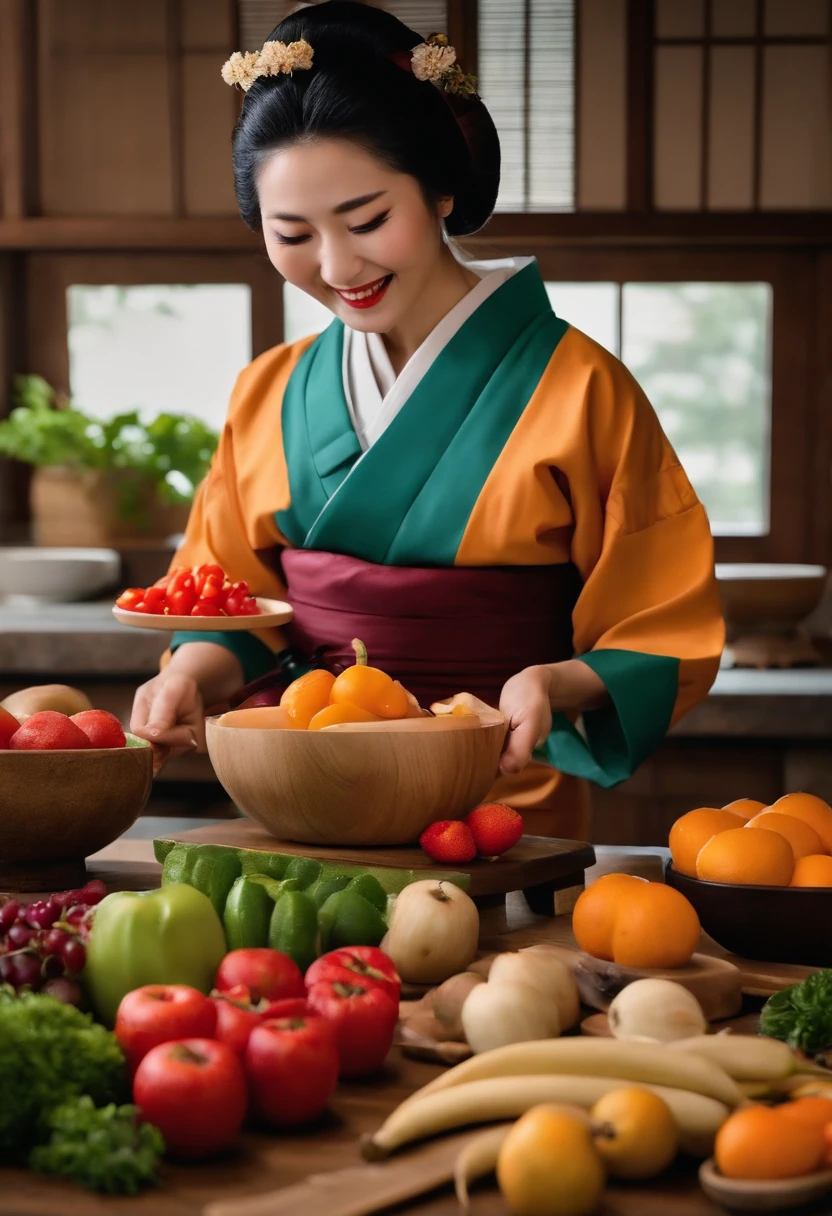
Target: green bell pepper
pixel 246 915
pixel 293 929
pixel 169 936
pixel 209 868
pixel 348 919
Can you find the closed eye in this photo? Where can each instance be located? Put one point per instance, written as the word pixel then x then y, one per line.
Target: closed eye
pixel 371 225
pixel 290 240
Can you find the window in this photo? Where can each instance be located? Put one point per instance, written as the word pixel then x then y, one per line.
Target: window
pixel 158 348
pixel 302 315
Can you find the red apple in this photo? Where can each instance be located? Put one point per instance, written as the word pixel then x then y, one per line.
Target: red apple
pixel 160 1013
pixel 8 726
pixel 48 730
pixel 101 728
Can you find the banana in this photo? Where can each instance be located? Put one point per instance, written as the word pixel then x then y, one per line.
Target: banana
pixel 478 1158
pixel 651 1063
pixel 745 1057
pixel 698 1117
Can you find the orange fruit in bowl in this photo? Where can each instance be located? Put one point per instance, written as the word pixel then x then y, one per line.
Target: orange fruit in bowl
pixel 747 855
pixel 746 807
pixel 760 1143
pixel 815 1112
pixel 803 838
pixel 812 871
pixel 695 829
pixel 812 810
pixel 594 914
pixel 307 696
pixel 656 926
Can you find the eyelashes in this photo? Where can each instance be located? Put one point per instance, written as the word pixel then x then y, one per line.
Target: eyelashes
pixel 370 226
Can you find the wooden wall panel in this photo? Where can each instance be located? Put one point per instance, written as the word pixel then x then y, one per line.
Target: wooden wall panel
pixel 209 112
pixel 602 106
pixel 733 18
pixel 796 17
pixel 797 128
pixel 731 129
pixel 679 18
pixel 208 24
pixel 678 129
pixel 104 109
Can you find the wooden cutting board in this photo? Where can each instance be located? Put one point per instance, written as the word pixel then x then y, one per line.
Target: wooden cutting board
pixel 534 862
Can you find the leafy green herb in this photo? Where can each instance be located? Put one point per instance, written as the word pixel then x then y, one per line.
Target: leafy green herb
pixel 108 1149
pixel 801 1015
pixel 169 455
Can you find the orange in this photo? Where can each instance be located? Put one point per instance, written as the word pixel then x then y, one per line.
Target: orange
pixel 746 807
pixel 815 1112
pixel 827 1135
pixel 548 1165
pixel 813 871
pixel 258 717
pixel 593 917
pixel 747 855
pixel 759 1142
pixel 335 715
pixel 307 696
pixel 692 831
pixel 634 1132
pixel 655 927
pixel 812 810
pixel 803 838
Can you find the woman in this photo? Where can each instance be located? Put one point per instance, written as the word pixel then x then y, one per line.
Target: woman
pixel 449 471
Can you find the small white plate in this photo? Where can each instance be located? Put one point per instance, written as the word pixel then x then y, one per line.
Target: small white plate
pixel 272 612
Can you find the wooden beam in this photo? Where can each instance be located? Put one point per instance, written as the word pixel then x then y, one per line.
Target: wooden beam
pixel 18 109
pixel 640 104
pixel 463 30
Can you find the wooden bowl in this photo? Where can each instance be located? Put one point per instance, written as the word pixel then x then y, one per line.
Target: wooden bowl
pixel 58 807
pixel 355 787
pixel 768 595
pixel 777 924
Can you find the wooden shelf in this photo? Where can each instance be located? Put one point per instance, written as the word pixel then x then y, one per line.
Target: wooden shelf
pixel 223 234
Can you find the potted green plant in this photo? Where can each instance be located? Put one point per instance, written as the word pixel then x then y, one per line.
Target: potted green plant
pixel 104 482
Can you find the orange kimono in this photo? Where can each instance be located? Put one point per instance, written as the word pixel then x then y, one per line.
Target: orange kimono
pixel 524 506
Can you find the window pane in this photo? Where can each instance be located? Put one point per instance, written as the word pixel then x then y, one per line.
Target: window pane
pixel 590 307
pixel 302 315
pixel 163 348
pixel 701 352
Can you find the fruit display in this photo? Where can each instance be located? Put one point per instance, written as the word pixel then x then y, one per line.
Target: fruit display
pixel 785 844
pixel 201 591
pixel 50 729
pixel 43 944
pixel 635 923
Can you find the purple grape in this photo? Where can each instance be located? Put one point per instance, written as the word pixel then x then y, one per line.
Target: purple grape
pixel 93 892
pixel 26 970
pixel 74 956
pixel 8 914
pixel 20 935
pixel 52 942
pixel 7 968
pixel 40 914
pixel 64 990
pixel 52 967
pixel 75 916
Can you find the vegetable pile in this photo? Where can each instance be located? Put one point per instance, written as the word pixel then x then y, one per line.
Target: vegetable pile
pixel 61 1077
pixel 801 1015
pixel 201 591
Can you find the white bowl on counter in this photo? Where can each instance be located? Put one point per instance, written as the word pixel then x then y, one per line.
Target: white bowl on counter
pixel 36 575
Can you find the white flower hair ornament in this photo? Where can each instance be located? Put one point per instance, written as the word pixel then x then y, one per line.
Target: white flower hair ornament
pixel 434 60
pixel 275 59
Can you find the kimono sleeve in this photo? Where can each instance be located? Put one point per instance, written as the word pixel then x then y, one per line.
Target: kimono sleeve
pixel 648 619
pixel 232 519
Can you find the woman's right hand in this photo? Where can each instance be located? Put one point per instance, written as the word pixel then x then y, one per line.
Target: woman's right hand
pixel 168 711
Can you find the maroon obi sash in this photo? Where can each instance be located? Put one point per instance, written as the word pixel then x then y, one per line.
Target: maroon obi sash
pixel 440 630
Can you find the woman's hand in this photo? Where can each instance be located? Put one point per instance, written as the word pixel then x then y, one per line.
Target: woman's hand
pixel 529 698
pixel 169 713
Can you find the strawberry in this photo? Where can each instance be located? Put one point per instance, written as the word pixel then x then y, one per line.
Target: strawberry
pixel 448 840
pixel 495 827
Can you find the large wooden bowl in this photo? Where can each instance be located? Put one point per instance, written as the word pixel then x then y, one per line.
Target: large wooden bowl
pixel 58 807
pixel 354 787
pixel 777 924
pixel 773 595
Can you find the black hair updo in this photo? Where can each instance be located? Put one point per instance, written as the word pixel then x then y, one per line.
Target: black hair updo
pixel 354 92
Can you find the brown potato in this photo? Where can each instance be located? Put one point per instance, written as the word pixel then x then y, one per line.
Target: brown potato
pixel 27 701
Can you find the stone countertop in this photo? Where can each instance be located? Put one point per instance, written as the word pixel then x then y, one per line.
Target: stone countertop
pixel 87 642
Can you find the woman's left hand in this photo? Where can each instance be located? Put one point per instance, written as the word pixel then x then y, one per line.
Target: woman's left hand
pixel 524 703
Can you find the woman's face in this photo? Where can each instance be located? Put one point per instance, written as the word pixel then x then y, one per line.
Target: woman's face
pixel 350 231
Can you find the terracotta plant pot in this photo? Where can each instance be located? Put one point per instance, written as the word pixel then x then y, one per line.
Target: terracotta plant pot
pixel 83 508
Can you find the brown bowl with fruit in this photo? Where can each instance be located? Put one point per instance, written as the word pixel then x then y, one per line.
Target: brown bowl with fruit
pixel 69 785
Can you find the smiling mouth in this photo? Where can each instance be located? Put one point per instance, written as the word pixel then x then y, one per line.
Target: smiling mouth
pixel 369 291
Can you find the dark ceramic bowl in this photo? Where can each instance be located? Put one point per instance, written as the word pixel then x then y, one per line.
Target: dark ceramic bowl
pixel 58 807
pixel 777 924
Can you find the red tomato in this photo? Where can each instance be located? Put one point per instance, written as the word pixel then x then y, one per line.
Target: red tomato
pixel 214 591
pixel 155 600
pixel 180 579
pixel 130 599
pixel 182 601
pixel 158 1013
pixel 201 573
pixel 205 609
pixel 292 1069
pixel 238 1014
pixel 249 607
pixel 364 965
pixel 195 1091
pixel 266 973
pixel 8 725
pixel 236 597
pixel 364 1020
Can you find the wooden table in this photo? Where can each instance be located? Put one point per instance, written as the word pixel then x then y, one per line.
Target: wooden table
pixel 265 1162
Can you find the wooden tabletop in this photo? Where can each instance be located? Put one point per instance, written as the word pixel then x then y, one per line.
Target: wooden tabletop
pixel 266 1162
